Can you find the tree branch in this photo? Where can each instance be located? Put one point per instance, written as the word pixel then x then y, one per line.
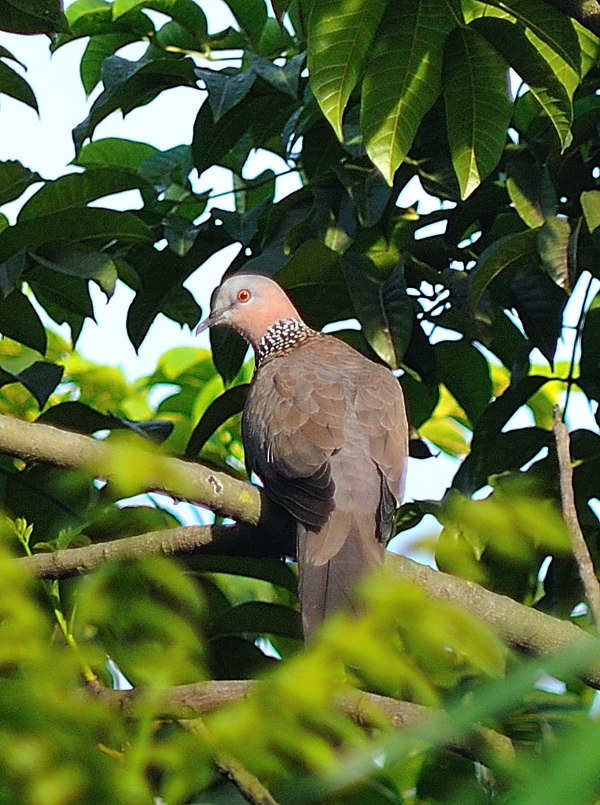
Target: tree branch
pixel 519 626
pixel 569 510
pixel 190 701
pixel 186 480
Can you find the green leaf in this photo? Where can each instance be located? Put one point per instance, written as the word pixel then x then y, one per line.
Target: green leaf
pixel 225 89
pixel 466 374
pixel 78 189
pixel 98 49
pixel 76 225
pixel 95 266
pixel 251 16
pixel 116 152
pixel 14 85
pixel 339 39
pixel 546 77
pixel 14 179
pixel 272 570
pixel 553 244
pixel 34 17
pixel 403 78
pixel 41 379
pixel 11 271
pixel 258 617
pixel 540 304
pixel 367 189
pixel 590 204
pixel 285 79
pixel 477 109
pixel 19 320
pixel 382 306
pixel 589 364
pixel 531 190
pixel 131 84
pixel 483 459
pixel 550 25
pixel 507 253
pixel 219 411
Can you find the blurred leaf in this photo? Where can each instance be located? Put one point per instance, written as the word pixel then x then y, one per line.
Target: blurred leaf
pixel 540 304
pixel 258 617
pixel 34 17
pixel 589 364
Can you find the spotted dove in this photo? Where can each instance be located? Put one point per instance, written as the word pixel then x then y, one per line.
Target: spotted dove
pixel 325 429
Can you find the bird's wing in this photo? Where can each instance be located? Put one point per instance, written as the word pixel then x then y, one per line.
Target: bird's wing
pixel 293 421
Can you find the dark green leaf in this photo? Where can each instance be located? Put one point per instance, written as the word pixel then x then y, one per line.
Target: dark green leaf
pixel 11 83
pixel 229 350
pixel 34 17
pixel 589 365
pixel 115 152
pixel 505 254
pixel 19 320
pixel 11 271
pixel 540 304
pixel 14 179
pixel 382 306
pixel 258 617
pixel 41 379
pixel 474 471
pixel 272 570
pixel 251 16
pixel 225 89
pixel 95 266
pixel 219 411
pixel 466 374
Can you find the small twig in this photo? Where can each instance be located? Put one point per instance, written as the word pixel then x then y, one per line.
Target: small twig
pixel 580 548
pixel 249 786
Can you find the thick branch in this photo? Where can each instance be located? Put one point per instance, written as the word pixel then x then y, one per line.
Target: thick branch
pixel 59 448
pixel 190 701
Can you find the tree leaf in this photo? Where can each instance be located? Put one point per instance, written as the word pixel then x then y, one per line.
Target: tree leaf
pixel 15 178
pixel 475 469
pixel 41 379
pixel 95 266
pixel 251 16
pixel 340 36
pixel 507 253
pixel 589 363
pixel 33 17
pixel 403 78
pixel 19 320
pixel 86 224
pixel 466 374
pixel 78 189
pixel 478 110
pixel 225 89
pixel 258 617
pixel 231 402
pixel 544 77
pixel 14 85
pixel 540 304
pixel 550 25
pixel 114 152
pixel 382 306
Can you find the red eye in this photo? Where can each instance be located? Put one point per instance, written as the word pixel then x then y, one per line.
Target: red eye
pixel 243 295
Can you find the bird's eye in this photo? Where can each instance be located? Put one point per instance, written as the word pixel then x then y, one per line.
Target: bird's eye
pixel 243 295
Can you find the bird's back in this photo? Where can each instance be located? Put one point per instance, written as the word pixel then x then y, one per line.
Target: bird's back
pixel 325 429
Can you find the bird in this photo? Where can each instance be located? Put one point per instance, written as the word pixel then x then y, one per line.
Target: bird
pixel 325 429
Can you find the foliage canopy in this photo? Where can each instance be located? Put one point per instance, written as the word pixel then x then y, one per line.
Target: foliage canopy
pixel 493 110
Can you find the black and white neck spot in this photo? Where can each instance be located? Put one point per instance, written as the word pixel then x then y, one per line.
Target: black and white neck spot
pixel 281 337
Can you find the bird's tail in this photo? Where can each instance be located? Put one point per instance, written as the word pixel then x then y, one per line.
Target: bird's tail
pixel 327 583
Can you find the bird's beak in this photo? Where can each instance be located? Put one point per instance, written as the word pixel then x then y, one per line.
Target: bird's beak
pixel 209 321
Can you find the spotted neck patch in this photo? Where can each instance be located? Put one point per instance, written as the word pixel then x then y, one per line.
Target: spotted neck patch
pixel 281 337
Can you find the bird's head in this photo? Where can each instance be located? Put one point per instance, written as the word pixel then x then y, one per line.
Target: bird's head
pixel 249 304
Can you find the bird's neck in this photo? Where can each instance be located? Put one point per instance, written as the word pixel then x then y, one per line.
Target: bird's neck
pixel 281 337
